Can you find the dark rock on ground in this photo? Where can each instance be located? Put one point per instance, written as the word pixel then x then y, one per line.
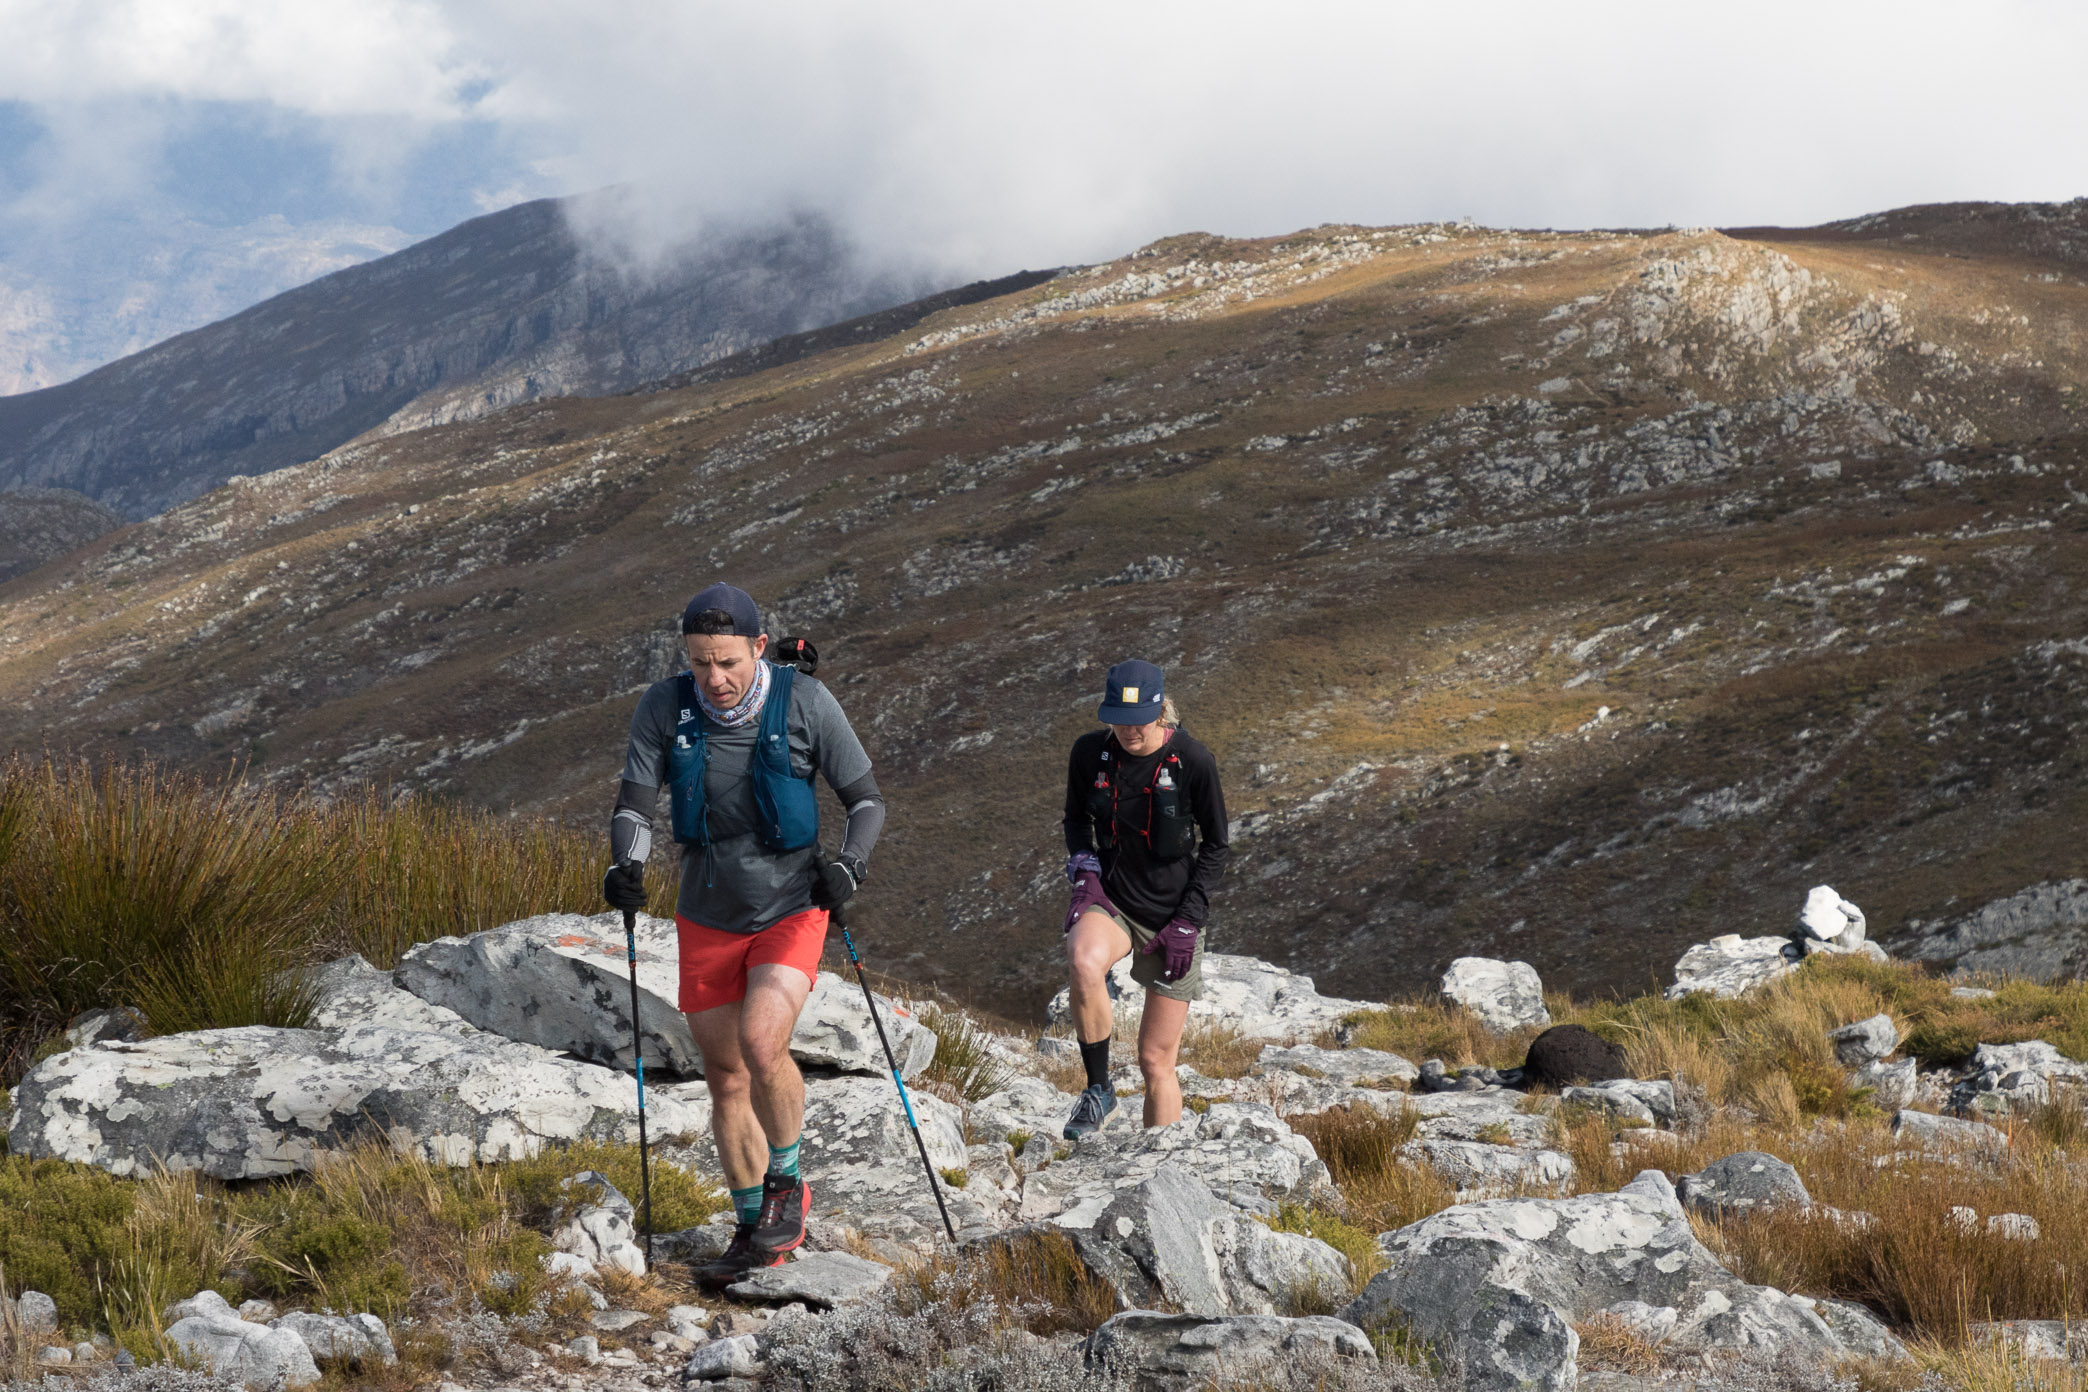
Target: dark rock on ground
pixel 1568 1054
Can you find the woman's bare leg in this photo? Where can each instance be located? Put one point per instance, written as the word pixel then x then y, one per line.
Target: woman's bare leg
pixel 1159 1040
pixel 1093 946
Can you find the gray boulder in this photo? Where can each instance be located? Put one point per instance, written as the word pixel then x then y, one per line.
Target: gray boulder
pixel 1651 1101
pixel 1027 1104
pixel 1865 1041
pixel 1241 1151
pixel 38 1313
pixel 1480 1168
pixel 1155 1352
pixel 562 981
pixel 2012 1077
pixel 1750 1181
pixel 1167 1241
pixel 117 1023
pixel 820 1279
pixel 733 1357
pixel 2042 1341
pixel 1578 1257
pixel 353 1339
pixel 212 1333
pixel 1506 996
pixel 1349 1067
pixel 1892 1084
pixel 1932 1132
pixel 256 1101
pixel 1830 920
pixel 1731 965
pixel 1258 999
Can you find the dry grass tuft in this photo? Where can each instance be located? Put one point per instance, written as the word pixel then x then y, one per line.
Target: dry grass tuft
pixel 1036 1276
pixel 1433 1028
pixel 1381 1189
pixel 1609 1345
pixel 1220 1051
pixel 964 1068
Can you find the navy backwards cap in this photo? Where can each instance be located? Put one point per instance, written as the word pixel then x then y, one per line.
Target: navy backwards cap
pixel 722 608
pixel 1133 694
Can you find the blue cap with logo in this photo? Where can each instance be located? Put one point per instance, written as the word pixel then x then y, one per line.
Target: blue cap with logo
pixel 722 608
pixel 1132 695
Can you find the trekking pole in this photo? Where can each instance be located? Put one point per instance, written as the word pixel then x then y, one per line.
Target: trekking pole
pixel 638 1057
pixel 840 918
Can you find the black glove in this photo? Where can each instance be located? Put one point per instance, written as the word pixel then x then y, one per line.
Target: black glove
pixel 832 885
pixel 624 885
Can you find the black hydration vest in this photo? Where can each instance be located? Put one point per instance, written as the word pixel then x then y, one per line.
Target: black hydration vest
pixel 1170 829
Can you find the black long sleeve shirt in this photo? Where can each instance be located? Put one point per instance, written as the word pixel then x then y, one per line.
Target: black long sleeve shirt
pixel 1148 890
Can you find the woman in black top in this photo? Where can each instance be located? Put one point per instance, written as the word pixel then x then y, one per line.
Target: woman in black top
pixel 1145 844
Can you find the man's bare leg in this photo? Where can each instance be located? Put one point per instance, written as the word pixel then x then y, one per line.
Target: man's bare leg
pixel 1159 1040
pixel 1094 945
pixel 757 1093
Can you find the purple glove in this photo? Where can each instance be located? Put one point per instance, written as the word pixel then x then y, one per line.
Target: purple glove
pixel 1087 894
pixel 1178 941
pixel 1079 861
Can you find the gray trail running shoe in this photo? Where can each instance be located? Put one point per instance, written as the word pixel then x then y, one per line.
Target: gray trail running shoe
pixel 1091 1111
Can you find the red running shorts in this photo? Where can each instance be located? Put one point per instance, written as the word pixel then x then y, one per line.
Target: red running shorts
pixel 714 964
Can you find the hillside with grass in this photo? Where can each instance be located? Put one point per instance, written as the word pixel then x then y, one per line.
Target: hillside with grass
pixel 1568 596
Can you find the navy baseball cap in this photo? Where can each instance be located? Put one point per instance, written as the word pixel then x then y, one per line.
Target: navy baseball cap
pixel 722 608
pixel 1132 695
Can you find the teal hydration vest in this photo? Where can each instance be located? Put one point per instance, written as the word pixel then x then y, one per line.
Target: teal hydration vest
pixel 787 805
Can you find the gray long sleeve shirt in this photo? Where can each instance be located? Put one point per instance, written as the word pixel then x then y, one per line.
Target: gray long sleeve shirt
pixel 738 885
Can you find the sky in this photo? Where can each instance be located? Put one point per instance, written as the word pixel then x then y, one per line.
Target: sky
pixel 960 138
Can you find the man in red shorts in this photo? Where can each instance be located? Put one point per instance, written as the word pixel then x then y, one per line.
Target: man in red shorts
pixel 737 741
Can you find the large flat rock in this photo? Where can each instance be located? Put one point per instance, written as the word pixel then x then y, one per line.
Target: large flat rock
pixel 1242 1152
pixel 562 981
pixel 1258 999
pixel 257 1101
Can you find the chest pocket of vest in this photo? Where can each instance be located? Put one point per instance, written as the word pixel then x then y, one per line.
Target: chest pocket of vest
pixel 688 760
pixel 1174 826
pixel 786 803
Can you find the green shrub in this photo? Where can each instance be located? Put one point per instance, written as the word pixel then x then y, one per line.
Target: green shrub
pixel 63 1230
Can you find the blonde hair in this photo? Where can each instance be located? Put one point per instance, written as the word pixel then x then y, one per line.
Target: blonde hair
pixel 1169 716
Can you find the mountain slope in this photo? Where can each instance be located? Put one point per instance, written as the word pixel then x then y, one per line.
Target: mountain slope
pixel 504 308
pixel 1564 596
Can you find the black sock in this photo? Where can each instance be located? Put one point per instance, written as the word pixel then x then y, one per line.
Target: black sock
pixel 1095 1059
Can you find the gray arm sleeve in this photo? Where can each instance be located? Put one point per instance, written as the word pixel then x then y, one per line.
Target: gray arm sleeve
pixel 630 825
pixel 866 814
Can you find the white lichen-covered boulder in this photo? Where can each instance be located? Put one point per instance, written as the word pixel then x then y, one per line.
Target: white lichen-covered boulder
pixel 211 1332
pixel 1578 1257
pixel 257 1101
pixel 1167 1242
pixel 355 1339
pixel 601 1232
pixel 1156 1352
pixel 1731 965
pixel 562 981
pixel 1256 998
pixel 348 991
pixel 1865 1041
pixel 1506 996
pixel 1831 920
pixel 1241 1151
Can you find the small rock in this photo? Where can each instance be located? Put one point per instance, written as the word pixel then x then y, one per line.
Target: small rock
pixel 1865 1041
pixel 84 1352
pixel 1161 1352
pixel 117 1025
pixel 1750 1181
pixel 1506 996
pixel 1831 919
pixel 1892 1084
pixel 54 1357
pixel 37 1312
pixel 1567 1054
pixel 1650 1322
pixel 1651 1101
pixel 1972 993
pixel 2020 1227
pixel 689 1321
pixel 666 1341
pixel 1965 1220
pixel 616 1321
pixel 730 1357
pixel 357 1339
pixel 587 1346
pixel 825 1279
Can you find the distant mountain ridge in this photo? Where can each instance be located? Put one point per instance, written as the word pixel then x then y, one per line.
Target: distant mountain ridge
pixel 499 310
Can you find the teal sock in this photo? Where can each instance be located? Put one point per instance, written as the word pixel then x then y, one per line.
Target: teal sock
pixel 783 1159
pixel 747 1203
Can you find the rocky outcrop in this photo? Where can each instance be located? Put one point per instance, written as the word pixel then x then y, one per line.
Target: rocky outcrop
pixel 1829 922
pixel 1576 1257
pixel 356 1340
pixel 1246 994
pixel 1167 1243
pixel 1242 1152
pixel 1506 996
pixel 1731 965
pixel 2004 1078
pixel 821 1280
pixel 211 1332
pixel 257 1101
pixel 42 524
pixel 562 981
pixel 2040 933
pixel 1155 1352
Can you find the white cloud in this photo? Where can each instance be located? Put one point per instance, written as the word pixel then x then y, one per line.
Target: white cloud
pixel 978 137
